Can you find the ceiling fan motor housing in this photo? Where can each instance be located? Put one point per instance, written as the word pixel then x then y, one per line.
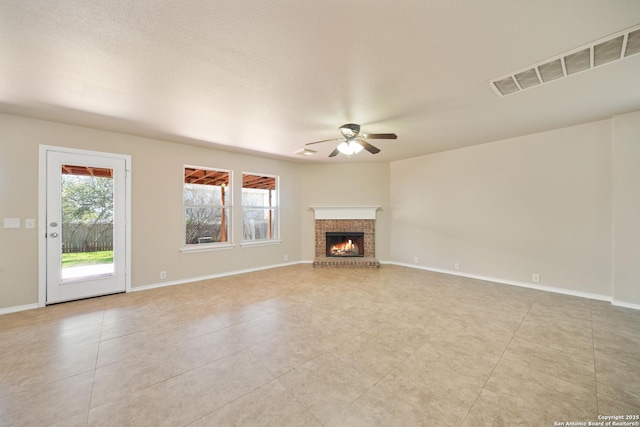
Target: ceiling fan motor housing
pixel 350 130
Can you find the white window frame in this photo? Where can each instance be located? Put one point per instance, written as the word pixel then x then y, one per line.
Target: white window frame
pixel 203 247
pixel 276 208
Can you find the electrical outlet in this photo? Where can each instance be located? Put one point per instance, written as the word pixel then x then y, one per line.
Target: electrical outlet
pixel 286 257
pixel 415 259
pixel 456 265
pixel 163 275
pixel 535 278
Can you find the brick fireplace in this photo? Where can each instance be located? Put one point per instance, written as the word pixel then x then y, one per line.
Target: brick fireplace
pixel 345 220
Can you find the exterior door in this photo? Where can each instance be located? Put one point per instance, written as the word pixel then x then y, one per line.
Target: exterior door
pixel 85 225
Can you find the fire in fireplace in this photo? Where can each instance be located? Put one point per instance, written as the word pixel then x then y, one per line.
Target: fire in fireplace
pixel 344 244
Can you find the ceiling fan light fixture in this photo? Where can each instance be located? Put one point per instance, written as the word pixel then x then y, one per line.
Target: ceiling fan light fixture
pixel 349 147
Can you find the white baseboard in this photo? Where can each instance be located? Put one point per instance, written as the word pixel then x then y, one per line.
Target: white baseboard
pixel 538 287
pixel 419 267
pixel 625 304
pixel 17 308
pixel 212 276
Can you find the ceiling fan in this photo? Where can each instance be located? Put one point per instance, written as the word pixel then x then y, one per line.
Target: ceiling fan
pixel 354 141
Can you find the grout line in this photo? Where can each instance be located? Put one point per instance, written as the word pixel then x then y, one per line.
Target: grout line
pixel 299 402
pixel 498 362
pixel 95 367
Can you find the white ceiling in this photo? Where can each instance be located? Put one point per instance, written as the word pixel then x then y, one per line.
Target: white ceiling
pixel 270 76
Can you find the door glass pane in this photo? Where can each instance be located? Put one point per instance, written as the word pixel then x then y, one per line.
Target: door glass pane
pixel 87 222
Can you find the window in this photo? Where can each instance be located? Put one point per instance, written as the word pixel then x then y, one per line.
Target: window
pixel 207 205
pixel 259 207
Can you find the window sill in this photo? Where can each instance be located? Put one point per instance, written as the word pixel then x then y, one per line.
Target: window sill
pixel 260 243
pixel 206 248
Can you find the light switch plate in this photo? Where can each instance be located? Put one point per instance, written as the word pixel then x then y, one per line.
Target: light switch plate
pixel 12 223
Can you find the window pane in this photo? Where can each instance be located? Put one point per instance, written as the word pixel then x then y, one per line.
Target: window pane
pixel 205 195
pixel 253 197
pixel 206 225
pixel 259 203
pixel 86 232
pixel 207 202
pixel 259 224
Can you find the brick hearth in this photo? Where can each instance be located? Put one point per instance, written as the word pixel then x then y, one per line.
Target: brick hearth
pixel 366 226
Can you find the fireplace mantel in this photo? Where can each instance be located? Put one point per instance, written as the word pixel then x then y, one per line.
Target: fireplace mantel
pixel 345 212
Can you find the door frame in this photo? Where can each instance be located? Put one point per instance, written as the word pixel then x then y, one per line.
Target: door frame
pixel 42 214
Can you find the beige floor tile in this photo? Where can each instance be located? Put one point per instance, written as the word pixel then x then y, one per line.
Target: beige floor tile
pixel 522 387
pixel 608 405
pixel 618 376
pixel 260 330
pixel 47 404
pixel 202 350
pixel 497 411
pixel 566 366
pixel 40 366
pixel 351 346
pixel 14 340
pixel 603 312
pixel 407 336
pixel 196 314
pixel 131 346
pixel 286 352
pixel 121 321
pixel 65 333
pixel 562 308
pixel 326 385
pixel 116 381
pixel 569 336
pixel 221 382
pixel 79 420
pixel 370 354
pixel 379 407
pixel 13 343
pixel 269 405
pixel 442 388
pixel 475 354
pixel 617 338
pixel 242 313
pixel 168 403
pixel 135 345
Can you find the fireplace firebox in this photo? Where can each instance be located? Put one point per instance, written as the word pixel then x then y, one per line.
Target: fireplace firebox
pixel 344 244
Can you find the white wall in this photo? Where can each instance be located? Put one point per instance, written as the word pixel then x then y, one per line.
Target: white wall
pixel 508 209
pixel 626 208
pixel 564 204
pixel 157 217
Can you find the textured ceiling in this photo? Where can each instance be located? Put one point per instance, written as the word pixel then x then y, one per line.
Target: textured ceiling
pixel 270 76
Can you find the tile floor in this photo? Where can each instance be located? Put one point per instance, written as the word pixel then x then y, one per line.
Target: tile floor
pixel 297 346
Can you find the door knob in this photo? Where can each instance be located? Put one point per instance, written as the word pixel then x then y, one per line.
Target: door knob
pixel 53 234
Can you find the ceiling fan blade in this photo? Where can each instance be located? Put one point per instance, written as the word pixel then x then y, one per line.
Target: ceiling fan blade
pixel 380 136
pixel 334 153
pixel 324 140
pixel 370 148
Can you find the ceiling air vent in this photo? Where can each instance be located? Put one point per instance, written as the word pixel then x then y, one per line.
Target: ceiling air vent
pixel 609 49
pixel 579 61
pixel 551 70
pixel 633 43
